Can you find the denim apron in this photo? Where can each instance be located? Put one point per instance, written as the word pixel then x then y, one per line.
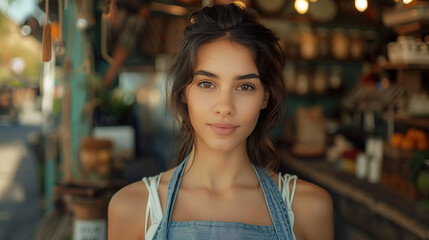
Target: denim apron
pixel 210 230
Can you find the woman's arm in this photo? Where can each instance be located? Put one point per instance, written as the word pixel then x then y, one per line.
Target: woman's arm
pixel 126 215
pixel 313 212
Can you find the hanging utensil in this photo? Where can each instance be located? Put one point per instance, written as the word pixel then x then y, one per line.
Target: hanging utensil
pixel 46 39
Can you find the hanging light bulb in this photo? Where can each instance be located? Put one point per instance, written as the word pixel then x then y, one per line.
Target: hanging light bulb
pixel 241 4
pixel 361 5
pixel 301 6
pixel 406 1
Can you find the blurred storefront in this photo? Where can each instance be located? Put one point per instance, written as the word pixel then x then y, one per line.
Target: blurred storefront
pixel 357 74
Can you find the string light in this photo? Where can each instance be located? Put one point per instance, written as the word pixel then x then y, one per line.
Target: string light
pixel 361 5
pixel 301 6
pixel 407 1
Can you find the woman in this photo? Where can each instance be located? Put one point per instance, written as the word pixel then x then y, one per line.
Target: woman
pixel 226 94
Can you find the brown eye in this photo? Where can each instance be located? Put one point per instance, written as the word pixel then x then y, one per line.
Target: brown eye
pixel 246 87
pixel 205 85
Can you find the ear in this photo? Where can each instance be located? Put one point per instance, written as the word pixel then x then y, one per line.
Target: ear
pixel 265 101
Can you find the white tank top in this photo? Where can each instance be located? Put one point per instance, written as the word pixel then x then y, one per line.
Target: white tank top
pixel 154 208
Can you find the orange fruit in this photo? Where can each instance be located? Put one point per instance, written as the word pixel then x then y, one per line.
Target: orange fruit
pixel 411 133
pixel 419 135
pixel 396 140
pixel 423 145
pixel 407 144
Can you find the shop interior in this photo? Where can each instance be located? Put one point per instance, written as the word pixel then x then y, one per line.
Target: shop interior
pixel 356 114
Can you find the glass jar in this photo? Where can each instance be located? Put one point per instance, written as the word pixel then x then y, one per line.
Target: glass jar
pixel 323 42
pixel 302 83
pixel 357 45
pixel 308 48
pixel 336 78
pixel 339 44
pixel 320 84
pixel 361 166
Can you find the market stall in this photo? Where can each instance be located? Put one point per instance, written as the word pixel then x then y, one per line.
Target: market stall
pixel 357 117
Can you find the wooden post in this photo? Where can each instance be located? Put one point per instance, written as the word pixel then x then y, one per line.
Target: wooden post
pixel 78 52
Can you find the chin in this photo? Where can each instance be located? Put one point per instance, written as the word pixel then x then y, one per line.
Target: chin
pixel 223 145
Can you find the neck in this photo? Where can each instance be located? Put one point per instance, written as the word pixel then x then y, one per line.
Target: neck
pixel 217 170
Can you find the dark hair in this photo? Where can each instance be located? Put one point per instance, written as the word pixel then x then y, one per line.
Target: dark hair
pixel 241 26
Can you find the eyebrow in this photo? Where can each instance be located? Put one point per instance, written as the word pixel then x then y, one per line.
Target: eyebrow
pixel 239 77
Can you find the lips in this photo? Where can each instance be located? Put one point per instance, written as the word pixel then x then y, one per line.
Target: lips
pixel 223 128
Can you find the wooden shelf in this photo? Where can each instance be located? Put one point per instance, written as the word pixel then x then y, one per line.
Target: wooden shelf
pixel 328 94
pixel 403 212
pixel 404 66
pixel 414 28
pixel 422 122
pixel 338 22
pixel 396 154
pixel 329 61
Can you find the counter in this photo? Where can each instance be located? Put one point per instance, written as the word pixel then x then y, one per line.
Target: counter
pixel 384 203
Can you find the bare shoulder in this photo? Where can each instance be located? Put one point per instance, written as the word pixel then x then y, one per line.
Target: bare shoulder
pixel 313 211
pixel 310 193
pixel 308 196
pixel 126 213
pixel 135 195
pixel 127 209
pixel 129 198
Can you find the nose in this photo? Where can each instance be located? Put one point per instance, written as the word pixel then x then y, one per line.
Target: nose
pixel 224 104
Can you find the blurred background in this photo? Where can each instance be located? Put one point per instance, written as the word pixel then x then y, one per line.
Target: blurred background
pixel 82 108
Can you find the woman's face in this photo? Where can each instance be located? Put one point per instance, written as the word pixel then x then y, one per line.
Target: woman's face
pixel 225 97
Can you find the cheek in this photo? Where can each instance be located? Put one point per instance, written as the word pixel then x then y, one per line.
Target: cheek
pixel 198 104
pixel 250 109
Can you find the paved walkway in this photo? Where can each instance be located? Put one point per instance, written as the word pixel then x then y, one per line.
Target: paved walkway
pixel 19 187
